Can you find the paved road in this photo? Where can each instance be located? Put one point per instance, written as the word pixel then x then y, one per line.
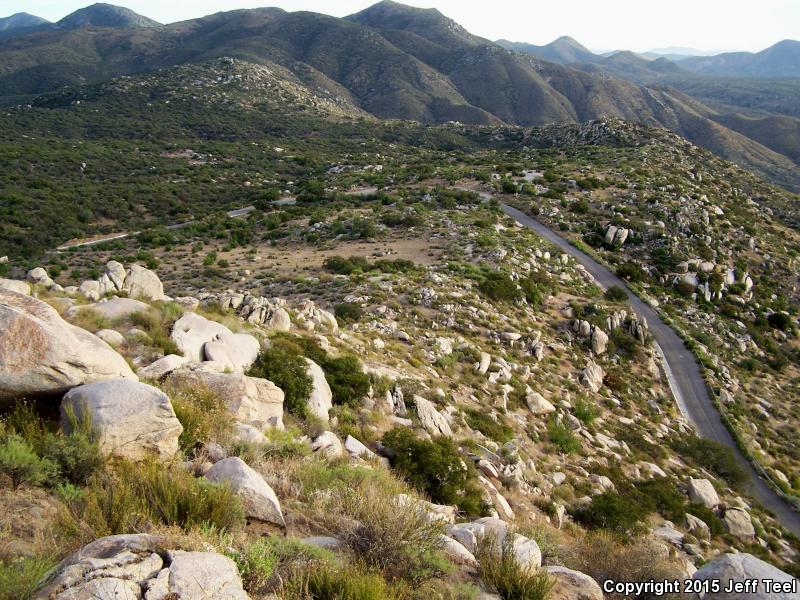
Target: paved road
pixel 682 369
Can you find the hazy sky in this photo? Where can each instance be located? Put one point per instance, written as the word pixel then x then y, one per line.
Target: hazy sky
pixel 598 24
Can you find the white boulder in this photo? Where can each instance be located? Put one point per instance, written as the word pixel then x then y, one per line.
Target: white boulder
pixel 130 419
pixel 42 354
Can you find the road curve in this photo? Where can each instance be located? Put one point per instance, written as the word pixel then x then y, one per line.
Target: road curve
pixel 686 379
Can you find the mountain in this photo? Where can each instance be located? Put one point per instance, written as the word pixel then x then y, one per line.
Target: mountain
pixel 564 50
pixel 678 53
pixel 780 60
pixel 21 21
pixel 105 15
pixel 391 61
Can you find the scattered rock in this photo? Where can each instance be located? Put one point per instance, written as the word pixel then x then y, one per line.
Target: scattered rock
pixel 163 366
pixel 537 404
pixel 738 524
pixel 328 444
pixel 113 338
pixel 592 376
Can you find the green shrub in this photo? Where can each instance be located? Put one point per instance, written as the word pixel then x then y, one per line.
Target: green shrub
pixel 561 435
pixel 585 411
pixel 202 413
pixel 398 540
pixel 711 455
pixel 76 455
pixel 500 569
pixel 20 576
pixel 494 429
pixel 437 468
pixel 498 286
pixel 614 512
pixel 123 500
pixel 257 563
pixel 616 294
pixel 157 322
pixel 661 495
pixel 345 375
pixel 21 464
pixel 320 581
pixel 284 365
pixel 780 321
pixel 347 312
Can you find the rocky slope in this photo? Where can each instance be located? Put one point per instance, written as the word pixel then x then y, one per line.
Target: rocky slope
pixel 497 360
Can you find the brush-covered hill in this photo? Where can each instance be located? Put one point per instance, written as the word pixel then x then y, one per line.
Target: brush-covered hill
pixel 390 60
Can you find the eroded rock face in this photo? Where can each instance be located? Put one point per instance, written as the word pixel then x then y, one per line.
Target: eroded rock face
pixel 258 498
pixel 40 353
pixel 131 420
pixel 140 567
pixel 191 332
pixel 740 568
pixel 431 419
pixel 254 401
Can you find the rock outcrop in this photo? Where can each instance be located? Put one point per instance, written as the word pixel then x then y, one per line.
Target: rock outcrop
pixel 140 566
pixel 41 354
pixel 200 339
pixel 431 419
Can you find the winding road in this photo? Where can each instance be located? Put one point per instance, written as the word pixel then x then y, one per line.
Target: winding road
pixel 683 372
